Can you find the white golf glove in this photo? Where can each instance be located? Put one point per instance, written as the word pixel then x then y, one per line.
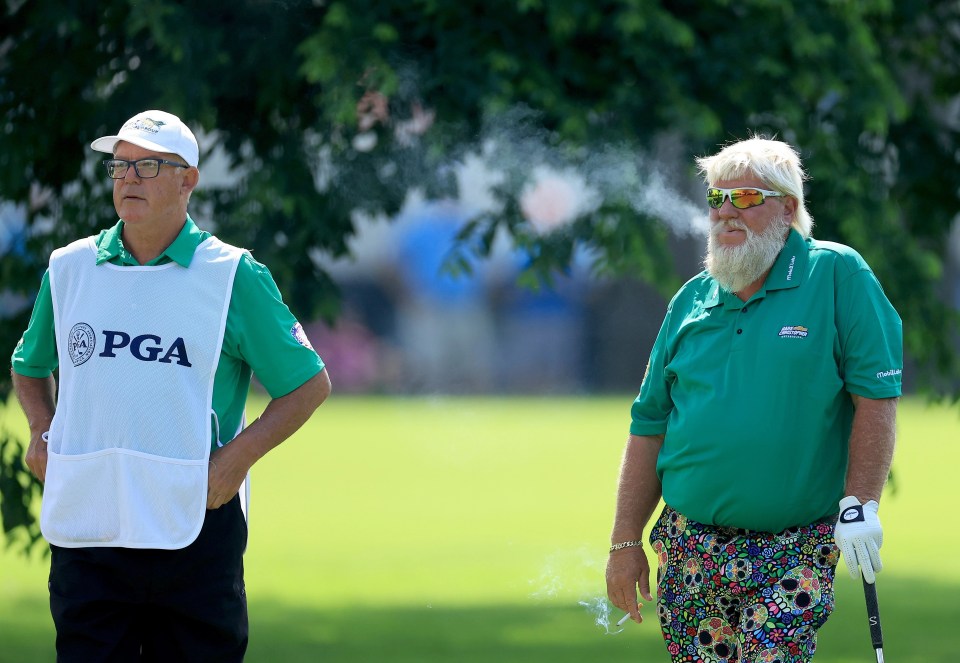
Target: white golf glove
pixel 859 536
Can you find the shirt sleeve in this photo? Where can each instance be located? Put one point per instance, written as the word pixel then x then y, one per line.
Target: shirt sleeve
pixel 653 405
pixel 871 337
pixel 36 353
pixel 262 332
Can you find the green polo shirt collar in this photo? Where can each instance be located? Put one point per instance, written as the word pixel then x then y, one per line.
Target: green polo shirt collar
pixel 110 246
pixel 791 265
pixel 787 272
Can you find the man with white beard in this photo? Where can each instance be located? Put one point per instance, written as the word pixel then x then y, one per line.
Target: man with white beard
pixel 768 408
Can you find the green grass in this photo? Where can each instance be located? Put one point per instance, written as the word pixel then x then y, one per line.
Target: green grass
pixel 469 529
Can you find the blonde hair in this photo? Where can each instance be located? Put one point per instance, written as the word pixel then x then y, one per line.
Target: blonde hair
pixel 776 163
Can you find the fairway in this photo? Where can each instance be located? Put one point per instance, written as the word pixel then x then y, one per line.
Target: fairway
pixel 461 529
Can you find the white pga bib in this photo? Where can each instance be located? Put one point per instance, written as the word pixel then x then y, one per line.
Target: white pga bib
pixel 130 440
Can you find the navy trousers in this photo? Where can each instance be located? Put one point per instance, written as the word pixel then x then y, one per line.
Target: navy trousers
pixel 122 604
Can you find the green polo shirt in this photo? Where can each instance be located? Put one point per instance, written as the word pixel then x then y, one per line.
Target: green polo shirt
pixel 261 334
pixel 753 398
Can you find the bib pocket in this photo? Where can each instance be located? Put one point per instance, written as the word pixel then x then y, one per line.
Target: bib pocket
pixel 123 498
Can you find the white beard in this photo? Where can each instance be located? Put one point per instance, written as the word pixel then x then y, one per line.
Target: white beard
pixel 736 267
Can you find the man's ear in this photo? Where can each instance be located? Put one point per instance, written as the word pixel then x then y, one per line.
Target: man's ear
pixel 191 178
pixel 789 208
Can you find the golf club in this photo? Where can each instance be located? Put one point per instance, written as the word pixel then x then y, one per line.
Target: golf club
pixel 873 617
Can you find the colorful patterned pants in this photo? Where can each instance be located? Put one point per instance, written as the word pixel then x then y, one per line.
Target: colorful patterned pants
pixel 727 595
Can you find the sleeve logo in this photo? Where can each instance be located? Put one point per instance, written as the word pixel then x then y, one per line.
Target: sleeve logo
pixel 890 373
pixel 793 331
pixel 301 336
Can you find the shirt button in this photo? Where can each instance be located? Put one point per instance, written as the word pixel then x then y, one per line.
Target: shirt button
pixel 744 309
pixel 739 331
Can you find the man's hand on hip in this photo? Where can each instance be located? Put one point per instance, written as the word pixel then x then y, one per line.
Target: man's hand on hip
pixel 36 457
pixel 628 570
pixel 859 536
pixel 226 471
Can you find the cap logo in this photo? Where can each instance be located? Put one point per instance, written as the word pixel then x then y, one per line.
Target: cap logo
pixel 144 124
pixel 81 343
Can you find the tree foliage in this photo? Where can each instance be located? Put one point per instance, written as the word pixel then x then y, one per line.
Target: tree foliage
pixel 329 109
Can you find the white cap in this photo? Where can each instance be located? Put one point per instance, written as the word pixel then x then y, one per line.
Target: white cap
pixel 154 130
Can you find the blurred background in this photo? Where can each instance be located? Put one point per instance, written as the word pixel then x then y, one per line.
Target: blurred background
pixel 493 198
pixel 479 211
pixel 409 326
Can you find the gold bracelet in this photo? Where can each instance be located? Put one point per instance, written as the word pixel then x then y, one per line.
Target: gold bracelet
pixel 626 544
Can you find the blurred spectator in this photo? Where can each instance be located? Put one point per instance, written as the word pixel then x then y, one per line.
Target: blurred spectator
pixel 443 322
pixel 354 348
pixel 540 339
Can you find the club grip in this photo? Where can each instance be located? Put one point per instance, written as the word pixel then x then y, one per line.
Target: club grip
pixel 873 614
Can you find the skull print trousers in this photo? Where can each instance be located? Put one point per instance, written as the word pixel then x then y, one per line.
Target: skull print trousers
pixel 727 595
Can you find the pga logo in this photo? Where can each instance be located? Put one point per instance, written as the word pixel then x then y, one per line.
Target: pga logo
pixel 145 347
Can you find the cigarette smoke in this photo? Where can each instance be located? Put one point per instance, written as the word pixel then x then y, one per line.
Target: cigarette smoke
pixel 562 183
pixel 600 608
pixel 514 156
pixel 576 573
pixel 554 199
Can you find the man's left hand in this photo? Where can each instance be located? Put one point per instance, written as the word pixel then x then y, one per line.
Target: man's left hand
pixel 226 472
pixel 859 536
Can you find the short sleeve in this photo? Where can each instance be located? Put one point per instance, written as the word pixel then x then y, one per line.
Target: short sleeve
pixel 35 355
pixel 653 404
pixel 871 337
pixel 262 332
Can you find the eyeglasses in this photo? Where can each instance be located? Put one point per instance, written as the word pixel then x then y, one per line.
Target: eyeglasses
pixel 144 168
pixel 741 198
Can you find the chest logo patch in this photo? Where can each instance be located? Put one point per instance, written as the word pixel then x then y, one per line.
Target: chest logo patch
pixel 81 343
pixel 793 331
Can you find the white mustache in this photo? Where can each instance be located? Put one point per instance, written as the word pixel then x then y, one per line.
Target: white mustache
pixel 730 224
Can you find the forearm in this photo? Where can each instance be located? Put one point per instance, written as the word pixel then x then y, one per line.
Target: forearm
pixel 37 397
pixel 639 489
pixel 280 419
pixel 871 447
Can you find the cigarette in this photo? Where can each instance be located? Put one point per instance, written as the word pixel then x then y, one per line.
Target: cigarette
pixel 623 620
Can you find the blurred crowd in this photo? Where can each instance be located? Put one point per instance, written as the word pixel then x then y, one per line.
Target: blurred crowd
pixel 408 326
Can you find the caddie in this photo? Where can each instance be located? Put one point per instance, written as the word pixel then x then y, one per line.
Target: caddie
pixel 156 327
pixel 768 408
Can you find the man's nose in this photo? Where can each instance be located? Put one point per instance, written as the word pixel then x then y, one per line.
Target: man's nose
pixel 727 210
